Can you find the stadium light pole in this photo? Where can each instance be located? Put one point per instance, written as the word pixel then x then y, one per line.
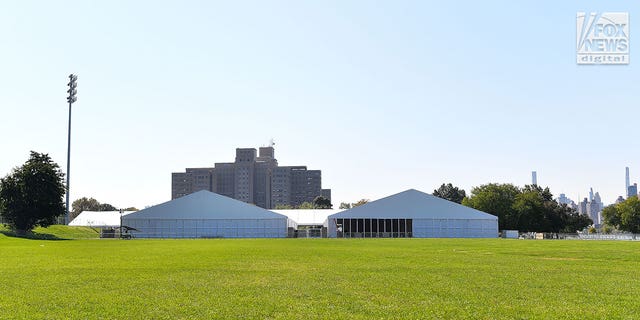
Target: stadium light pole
pixel 73 84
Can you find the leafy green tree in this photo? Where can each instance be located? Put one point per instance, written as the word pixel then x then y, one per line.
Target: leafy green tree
pixel 611 216
pixel 283 206
pixel 83 204
pixel 359 203
pixel 130 209
pixel 538 211
pixel 89 204
pixel 345 205
pixel 32 195
pixel 630 214
pixel 529 213
pixel 496 199
pixel 321 202
pixel 572 219
pixel 306 205
pixel 449 192
pixel 624 216
pixel 531 208
pixel 107 207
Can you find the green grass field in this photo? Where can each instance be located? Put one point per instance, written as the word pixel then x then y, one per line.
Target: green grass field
pixel 318 279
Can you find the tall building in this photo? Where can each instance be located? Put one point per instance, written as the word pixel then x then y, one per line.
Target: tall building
pixel 326 193
pixel 627 182
pixel 632 190
pixel 254 177
pixel 592 207
pixel 563 199
pixel 582 206
pixel 534 178
pixel 192 180
pixel 593 211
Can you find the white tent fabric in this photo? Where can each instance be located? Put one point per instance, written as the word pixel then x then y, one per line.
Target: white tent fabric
pixel 419 215
pixel 205 214
pixel 308 217
pixel 99 219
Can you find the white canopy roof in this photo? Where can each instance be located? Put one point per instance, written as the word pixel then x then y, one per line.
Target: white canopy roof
pixel 413 204
pixel 204 205
pixel 308 217
pixel 98 219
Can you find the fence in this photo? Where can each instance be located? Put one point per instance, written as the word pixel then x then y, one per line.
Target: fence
pixel 615 236
pixel 581 236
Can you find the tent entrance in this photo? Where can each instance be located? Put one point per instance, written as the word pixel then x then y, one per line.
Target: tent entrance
pixel 374 228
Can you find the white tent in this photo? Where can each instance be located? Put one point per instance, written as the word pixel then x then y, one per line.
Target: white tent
pixel 205 214
pixel 98 219
pixel 412 214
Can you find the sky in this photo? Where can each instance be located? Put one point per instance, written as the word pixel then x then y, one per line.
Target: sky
pixel 382 96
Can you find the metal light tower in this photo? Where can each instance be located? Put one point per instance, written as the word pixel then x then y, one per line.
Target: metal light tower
pixel 73 84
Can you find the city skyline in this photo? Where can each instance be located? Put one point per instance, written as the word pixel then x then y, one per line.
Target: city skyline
pixel 420 93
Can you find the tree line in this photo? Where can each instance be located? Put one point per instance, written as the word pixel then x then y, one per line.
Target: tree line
pixel 624 215
pixel 528 209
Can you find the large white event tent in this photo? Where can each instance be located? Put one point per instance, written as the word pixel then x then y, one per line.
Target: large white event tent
pixel 98 219
pixel 409 214
pixel 205 214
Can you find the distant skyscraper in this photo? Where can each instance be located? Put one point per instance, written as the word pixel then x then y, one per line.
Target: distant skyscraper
pixel 597 199
pixel 562 199
pixel 592 207
pixel 534 177
pixel 582 206
pixel 626 180
pixel 632 190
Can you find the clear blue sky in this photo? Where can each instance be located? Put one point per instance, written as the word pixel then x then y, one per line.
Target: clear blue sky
pixel 381 96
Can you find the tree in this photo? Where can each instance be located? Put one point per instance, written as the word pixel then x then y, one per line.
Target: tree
pixel 107 207
pixel 83 204
pixel 624 216
pixel 32 195
pixel 630 214
pixel 531 208
pixel 305 205
pixel 130 209
pixel 359 203
pixel 449 192
pixel 574 221
pixel 496 199
pixel 345 205
pixel 90 204
pixel 321 202
pixel 283 206
pixel 528 213
pixel 611 216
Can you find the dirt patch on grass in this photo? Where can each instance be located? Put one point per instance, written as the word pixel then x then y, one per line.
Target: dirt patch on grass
pixel 561 259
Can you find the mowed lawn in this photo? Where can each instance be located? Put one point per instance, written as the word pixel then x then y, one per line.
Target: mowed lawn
pixel 319 279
